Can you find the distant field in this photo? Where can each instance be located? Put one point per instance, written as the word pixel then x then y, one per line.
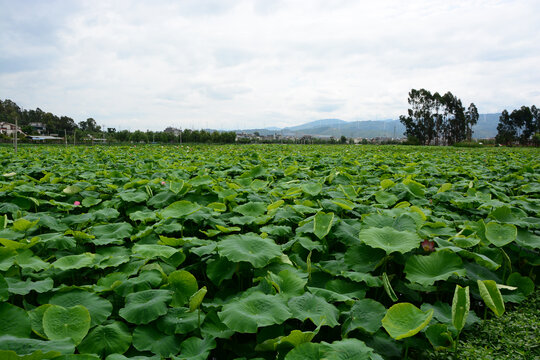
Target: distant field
pixel 260 251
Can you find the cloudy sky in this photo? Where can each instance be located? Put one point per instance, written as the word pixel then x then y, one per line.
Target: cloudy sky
pixel 244 64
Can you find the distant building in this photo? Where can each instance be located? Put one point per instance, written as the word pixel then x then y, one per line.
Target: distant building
pixel 8 128
pixel 172 130
pixel 38 127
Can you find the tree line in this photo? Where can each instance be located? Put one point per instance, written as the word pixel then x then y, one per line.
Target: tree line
pixel 435 119
pixel 61 125
pixel 520 126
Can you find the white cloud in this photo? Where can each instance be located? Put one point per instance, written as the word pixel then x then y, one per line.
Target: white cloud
pixel 229 64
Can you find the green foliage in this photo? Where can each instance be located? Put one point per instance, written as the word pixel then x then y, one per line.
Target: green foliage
pixel 260 251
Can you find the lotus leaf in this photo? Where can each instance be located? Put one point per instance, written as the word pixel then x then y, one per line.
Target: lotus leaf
pixel 100 309
pixel 249 247
pixel 322 224
pixel 184 285
pixel 439 265
pixel 103 340
pixel 500 234
pixel 365 314
pixel 314 308
pixel 60 323
pixel 179 209
pixel 255 310
pixel 195 348
pixel 15 321
pixel 404 320
pixel 148 338
pixel 145 306
pixel 491 296
pixel 389 239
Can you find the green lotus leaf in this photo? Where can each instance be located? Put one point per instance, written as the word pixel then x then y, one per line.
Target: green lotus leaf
pixel 404 320
pixel 305 351
pixel 287 283
pixel 107 339
pixel 460 307
pixel 71 262
pixel 26 260
pixel 492 296
pixel 133 196
pixel 365 314
pixel 439 265
pixel 90 201
pixel 180 320
pixel 177 186
pixel 386 198
pixel 439 336
pixel 60 323
pixel 315 308
pixel 117 231
pixel 219 269
pixel 312 189
pixel 524 238
pixel 500 234
pixel 36 319
pixel 295 338
pixel 254 209
pixel 255 310
pixel 145 281
pixel 25 287
pixel 524 283
pixel 148 338
pixel 322 224
pixel 388 287
pixel 23 225
pixel 347 349
pixel 25 346
pixel 151 251
pixel 100 309
pixel 389 239
pixel 15 321
pixel 71 190
pixel 196 299
pixel 184 285
pixel 78 357
pixel 249 247
pixel 363 258
pixel 7 258
pixel 179 209
pixel 195 348
pixel 145 306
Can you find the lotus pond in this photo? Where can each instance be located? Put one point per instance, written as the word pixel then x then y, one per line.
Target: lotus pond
pixel 270 252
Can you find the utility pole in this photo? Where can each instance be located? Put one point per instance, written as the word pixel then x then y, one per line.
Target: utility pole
pixel 65 136
pixel 16 128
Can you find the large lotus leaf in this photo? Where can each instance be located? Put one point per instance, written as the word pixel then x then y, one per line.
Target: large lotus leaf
pixel 14 321
pixel 305 351
pixel 254 311
pixel 117 231
pixel 151 251
pixel 524 238
pixel 25 346
pixel 145 306
pixel 184 285
pixel 7 258
pixel 108 339
pixel 180 321
pixel 315 308
pixel 363 258
pixel 365 314
pixel 100 309
pixel 71 262
pixel 287 283
pixel 179 209
pixel 25 287
pixel 491 296
pixel 249 247
pixel 322 223
pixel 133 196
pixel 295 338
pixel 148 338
pixel 404 320
pixel 439 265
pixel 195 348
pixel 254 209
pixel 60 323
pixel 500 234
pixel 347 349
pixel 196 299
pixel 312 189
pixel 386 198
pixel 36 319
pixel 26 260
pixel 219 269
pixel 389 239
pixel 214 328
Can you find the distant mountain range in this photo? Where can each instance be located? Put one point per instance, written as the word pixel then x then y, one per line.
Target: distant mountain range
pixel 485 128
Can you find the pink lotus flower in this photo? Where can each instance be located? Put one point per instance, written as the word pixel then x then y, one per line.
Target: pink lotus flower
pixel 76 203
pixel 163 183
pixel 428 246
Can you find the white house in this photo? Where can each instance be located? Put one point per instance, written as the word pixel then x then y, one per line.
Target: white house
pixel 8 128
